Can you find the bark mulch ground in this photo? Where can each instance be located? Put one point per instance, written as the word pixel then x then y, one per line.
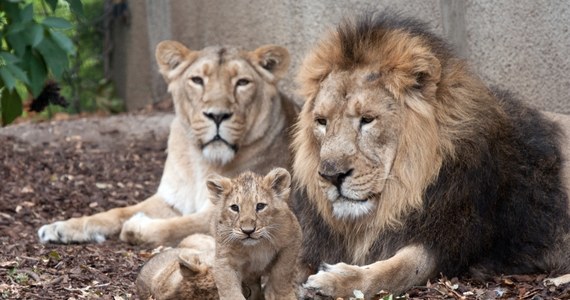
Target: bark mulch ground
pixel 49 177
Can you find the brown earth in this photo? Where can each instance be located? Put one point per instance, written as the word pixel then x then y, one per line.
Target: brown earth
pixel 54 171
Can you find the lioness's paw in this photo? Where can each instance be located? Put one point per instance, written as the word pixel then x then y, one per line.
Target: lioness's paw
pixel 338 280
pixel 63 232
pixel 138 230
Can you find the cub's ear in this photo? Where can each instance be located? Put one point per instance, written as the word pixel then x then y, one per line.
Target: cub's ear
pixel 271 61
pixel 279 180
pixel 218 186
pixel 170 55
pixel 190 264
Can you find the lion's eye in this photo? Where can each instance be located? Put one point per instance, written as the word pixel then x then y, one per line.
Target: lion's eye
pixel 366 120
pixel 197 80
pixel 234 207
pixel 321 121
pixel 242 82
pixel 260 206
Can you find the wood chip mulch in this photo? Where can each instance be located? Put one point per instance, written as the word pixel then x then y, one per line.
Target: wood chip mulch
pixel 43 183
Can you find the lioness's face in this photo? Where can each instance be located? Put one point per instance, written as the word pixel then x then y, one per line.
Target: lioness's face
pixel 220 88
pixel 356 126
pixel 221 93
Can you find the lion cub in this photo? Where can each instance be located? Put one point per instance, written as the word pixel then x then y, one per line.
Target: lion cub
pixel 184 272
pixel 256 235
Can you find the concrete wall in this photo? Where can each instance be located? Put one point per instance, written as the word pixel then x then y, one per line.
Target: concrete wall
pixel 521 45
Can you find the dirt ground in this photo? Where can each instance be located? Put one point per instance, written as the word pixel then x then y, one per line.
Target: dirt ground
pixel 54 171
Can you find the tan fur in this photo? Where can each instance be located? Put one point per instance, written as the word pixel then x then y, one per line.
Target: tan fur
pixel 230 117
pixel 184 272
pixel 409 265
pixel 256 235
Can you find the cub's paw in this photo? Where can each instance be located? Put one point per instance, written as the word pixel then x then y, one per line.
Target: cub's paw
pixel 139 230
pixel 339 280
pixel 66 232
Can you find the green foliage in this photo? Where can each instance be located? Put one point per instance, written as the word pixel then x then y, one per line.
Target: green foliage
pixel 57 40
pixel 85 84
pixel 31 50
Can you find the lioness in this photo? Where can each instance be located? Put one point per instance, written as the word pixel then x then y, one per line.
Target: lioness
pixel 408 166
pixel 256 234
pixel 229 118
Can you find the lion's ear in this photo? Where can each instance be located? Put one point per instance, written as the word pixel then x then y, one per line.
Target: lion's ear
pixel 170 55
pixel 271 61
pixel 422 74
pixel 279 180
pixel 218 186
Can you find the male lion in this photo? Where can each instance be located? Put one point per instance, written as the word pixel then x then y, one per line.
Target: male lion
pixel 229 118
pixel 408 165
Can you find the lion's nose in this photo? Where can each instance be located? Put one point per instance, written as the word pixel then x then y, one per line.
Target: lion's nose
pixel 336 178
pixel 217 117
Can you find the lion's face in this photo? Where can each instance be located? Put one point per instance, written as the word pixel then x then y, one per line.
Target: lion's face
pixel 367 141
pixel 356 127
pixel 221 93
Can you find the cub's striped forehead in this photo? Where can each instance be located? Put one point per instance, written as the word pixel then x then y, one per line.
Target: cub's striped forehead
pixel 247 182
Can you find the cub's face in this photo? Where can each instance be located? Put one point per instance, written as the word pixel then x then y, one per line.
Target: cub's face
pixel 222 93
pixel 249 206
pixel 355 124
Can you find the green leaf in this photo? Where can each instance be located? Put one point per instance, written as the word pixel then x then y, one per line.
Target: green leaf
pixel 7 78
pixel 16 27
pixel 52 4
pixel 16 42
pixel 76 6
pixel 12 10
pixel 11 106
pixel 22 90
pixel 8 58
pixel 38 72
pixel 54 255
pixel 35 34
pixel 63 42
pixel 55 22
pixel 27 13
pixel 18 73
pixel 54 57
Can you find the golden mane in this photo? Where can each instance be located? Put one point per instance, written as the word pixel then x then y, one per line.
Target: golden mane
pixel 443 102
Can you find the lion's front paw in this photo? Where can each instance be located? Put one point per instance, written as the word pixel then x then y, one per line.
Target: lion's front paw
pixel 340 280
pixel 139 230
pixel 67 232
pixel 558 281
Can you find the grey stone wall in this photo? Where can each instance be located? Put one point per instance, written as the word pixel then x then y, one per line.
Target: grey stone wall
pixel 521 45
